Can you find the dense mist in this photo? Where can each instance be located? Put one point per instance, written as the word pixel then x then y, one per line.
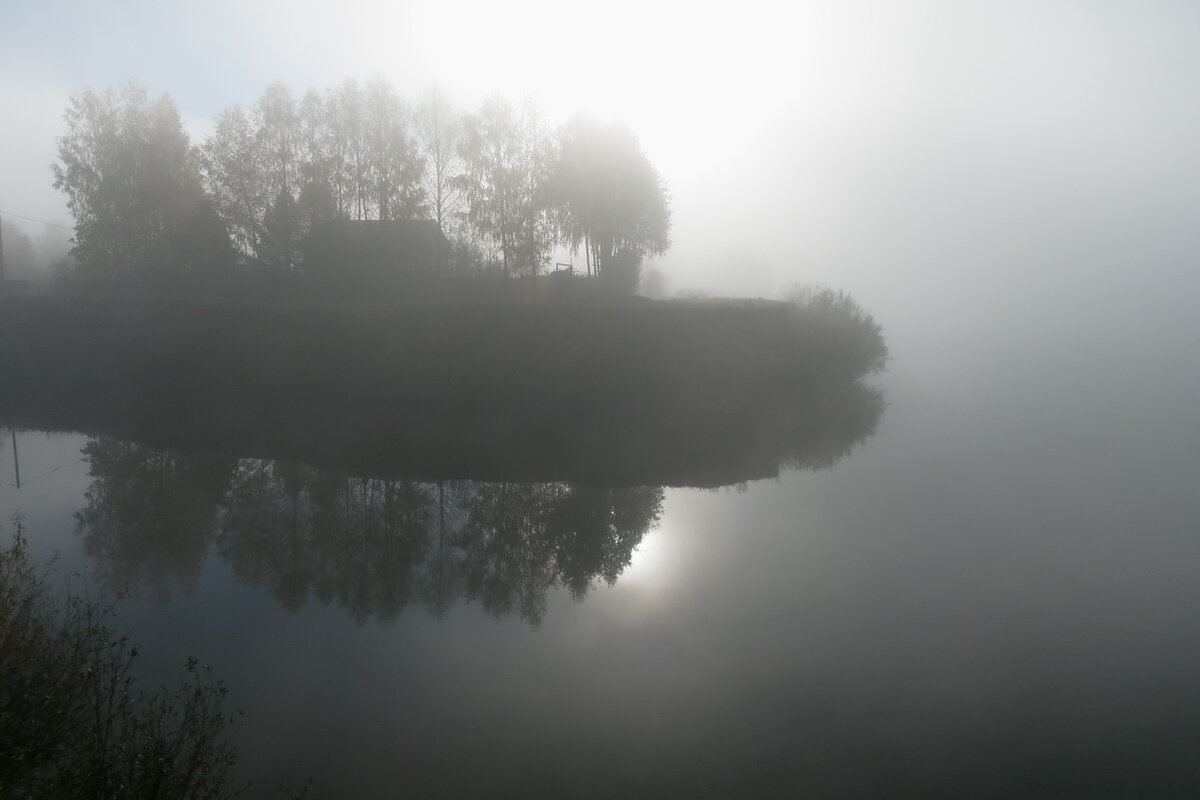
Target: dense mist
pixel 622 400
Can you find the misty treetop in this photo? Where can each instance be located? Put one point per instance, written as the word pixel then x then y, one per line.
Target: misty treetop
pixel 503 186
pixel 608 196
pixel 507 155
pixel 133 184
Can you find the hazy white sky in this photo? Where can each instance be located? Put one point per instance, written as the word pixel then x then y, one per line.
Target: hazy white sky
pixel 889 148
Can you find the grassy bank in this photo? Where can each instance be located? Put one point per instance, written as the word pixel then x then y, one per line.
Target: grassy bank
pixel 664 393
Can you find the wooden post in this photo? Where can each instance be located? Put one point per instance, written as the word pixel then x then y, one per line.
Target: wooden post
pixel 16 458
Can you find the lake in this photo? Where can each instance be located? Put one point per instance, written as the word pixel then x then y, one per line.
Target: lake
pixel 992 594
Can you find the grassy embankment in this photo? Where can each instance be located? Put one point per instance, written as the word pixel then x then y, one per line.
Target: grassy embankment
pixel 700 392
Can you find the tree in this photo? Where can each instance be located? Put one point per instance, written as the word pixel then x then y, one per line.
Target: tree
pixel 394 166
pixel 133 184
pixel 348 143
pixel 277 125
pixel 317 202
pixel 281 232
pixel 506 152
pixel 608 196
pixel 439 134
pixel 233 176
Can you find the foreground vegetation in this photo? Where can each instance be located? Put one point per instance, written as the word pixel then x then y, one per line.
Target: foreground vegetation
pixel 73 720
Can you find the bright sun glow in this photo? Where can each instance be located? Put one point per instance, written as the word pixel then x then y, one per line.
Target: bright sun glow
pixel 652 562
pixel 686 80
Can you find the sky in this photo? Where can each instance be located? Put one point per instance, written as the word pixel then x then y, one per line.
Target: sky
pixel 900 151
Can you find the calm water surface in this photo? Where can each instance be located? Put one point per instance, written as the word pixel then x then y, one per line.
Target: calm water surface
pixel 995 594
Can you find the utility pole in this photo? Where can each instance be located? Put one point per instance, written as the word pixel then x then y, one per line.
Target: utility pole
pixel 1 252
pixel 16 460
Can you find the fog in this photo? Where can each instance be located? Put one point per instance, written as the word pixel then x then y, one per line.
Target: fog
pixel 901 153
pixel 970 572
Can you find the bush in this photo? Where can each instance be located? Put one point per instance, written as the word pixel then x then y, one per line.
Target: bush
pixel 73 720
pixel 848 335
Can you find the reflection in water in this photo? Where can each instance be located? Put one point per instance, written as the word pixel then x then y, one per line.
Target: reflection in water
pixel 372 546
pixel 299 531
pixel 364 461
pixel 150 514
pixel 375 545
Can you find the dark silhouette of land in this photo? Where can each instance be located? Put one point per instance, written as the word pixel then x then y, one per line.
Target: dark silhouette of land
pixel 699 394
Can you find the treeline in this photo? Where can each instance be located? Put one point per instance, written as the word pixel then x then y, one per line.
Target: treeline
pixel 503 185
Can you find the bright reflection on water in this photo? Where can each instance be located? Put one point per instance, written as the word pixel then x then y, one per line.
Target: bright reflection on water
pixel 993 595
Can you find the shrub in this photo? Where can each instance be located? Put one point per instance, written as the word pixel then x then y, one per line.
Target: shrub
pixel 848 335
pixel 73 720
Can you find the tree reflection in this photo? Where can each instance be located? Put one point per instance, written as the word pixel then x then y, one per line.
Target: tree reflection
pixel 375 546
pixel 298 531
pixel 342 473
pixel 372 546
pixel 150 515
pixel 520 540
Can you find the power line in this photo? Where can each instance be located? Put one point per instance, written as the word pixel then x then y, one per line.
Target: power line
pixel 17 465
pixel 39 221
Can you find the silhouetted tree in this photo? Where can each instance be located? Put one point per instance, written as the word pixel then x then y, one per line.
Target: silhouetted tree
pixel 316 203
pixel 439 132
pixel 315 206
pixel 344 110
pixel 281 232
pixel 233 175
pixel 277 129
pixel 608 197
pixel 133 185
pixel 394 165
pixel 507 155
pixel 313 141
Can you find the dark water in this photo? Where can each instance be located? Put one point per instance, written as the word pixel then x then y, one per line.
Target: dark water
pixel 994 595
